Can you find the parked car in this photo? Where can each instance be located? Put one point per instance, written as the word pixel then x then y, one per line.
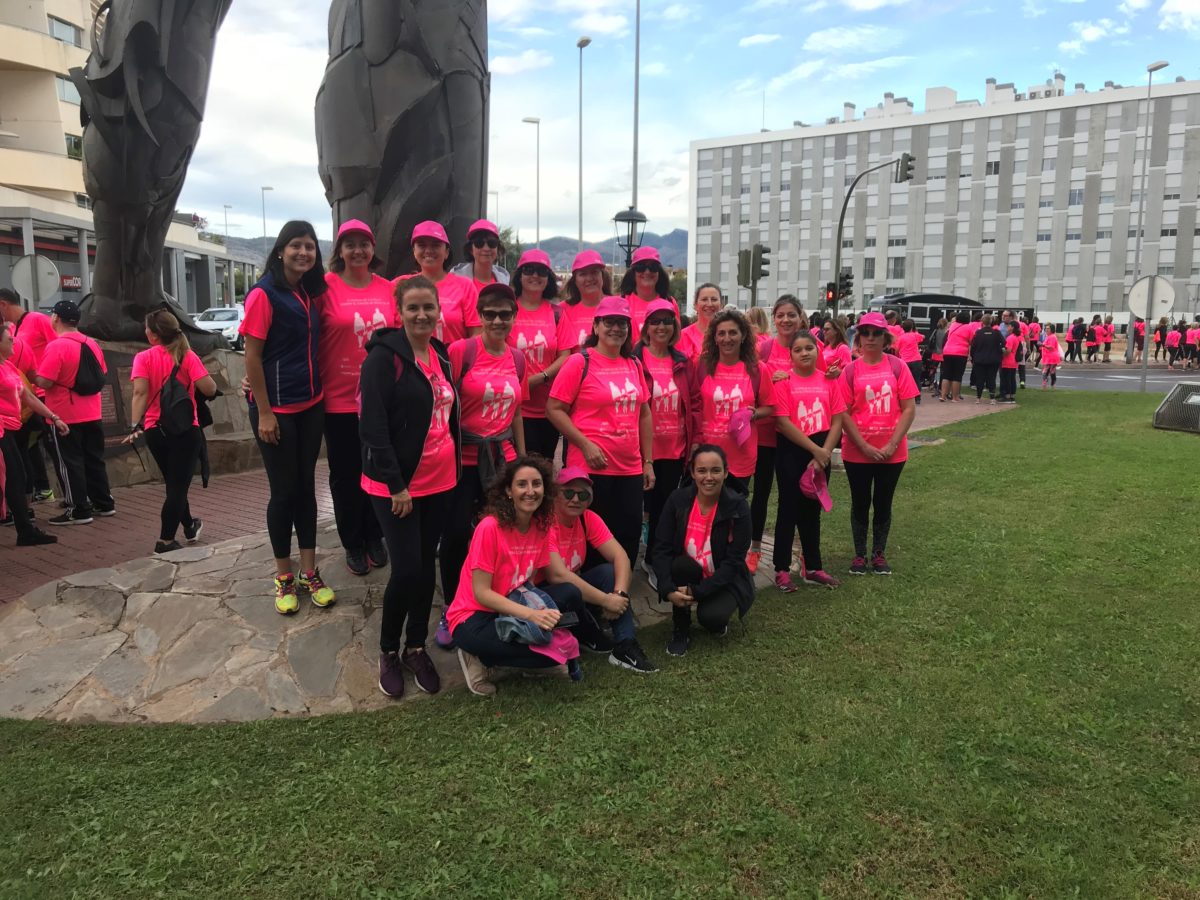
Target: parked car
pixel 226 320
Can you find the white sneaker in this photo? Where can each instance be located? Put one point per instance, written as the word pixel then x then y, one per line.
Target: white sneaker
pixel 475 674
pixel 651 577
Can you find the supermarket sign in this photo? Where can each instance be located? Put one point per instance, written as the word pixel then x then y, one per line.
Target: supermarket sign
pixel 71 282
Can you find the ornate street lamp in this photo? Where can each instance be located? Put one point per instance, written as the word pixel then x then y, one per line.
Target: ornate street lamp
pixel 631 228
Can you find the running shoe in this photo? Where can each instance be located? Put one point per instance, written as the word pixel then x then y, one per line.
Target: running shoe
pixel 630 655
pixel 821 577
pixel 356 562
pixel 192 532
pixel 574 670
pixel 475 674
pixel 322 594
pixel 879 565
pixel 104 510
pixel 858 566
pixel 167 546
pixel 36 538
pixel 651 576
pixel 286 601
pixel 391 675
pixel 425 675
pixel 681 640
pixel 442 635
pixel 377 553
pixel 73 517
pixel 752 560
pixel 783 581
pixel 43 496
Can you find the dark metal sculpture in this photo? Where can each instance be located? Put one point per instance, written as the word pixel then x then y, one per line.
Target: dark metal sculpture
pixel 401 118
pixel 142 96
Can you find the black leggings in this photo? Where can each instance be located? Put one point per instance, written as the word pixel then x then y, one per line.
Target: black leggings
pixel 176 455
pixel 30 440
pixel 713 612
pixel 1091 352
pixel 462 506
pixel 412 544
pixel 477 636
pixel 764 476
pixel 618 501
pixel 983 375
pixel 356 524
pixel 14 484
pixel 667 473
pixel 1172 355
pixel 1008 382
pixel 291 473
pixel 796 510
pixel 81 457
pixel 540 437
pixel 871 484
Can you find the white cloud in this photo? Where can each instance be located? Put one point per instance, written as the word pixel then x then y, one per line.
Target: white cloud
pixel 802 72
pixel 815 7
pixel 1090 32
pixel 754 39
pixel 676 12
pixel 1180 14
pixel 1132 7
pixel 531 31
pixel 1030 9
pixel 861 38
pixel 871 5
pixel 851 71
pixel 1071 48
pixel 654 69
pixel 525 62
pixel 602 23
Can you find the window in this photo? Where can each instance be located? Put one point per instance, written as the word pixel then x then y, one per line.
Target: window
pixel 1133 233
pixel 67 91
pixel 1170 196
pixel 724 218
pixel 1074 236
pixel 744 219
pixel 785 186
pixel 870 242
pixel 1045 204
pixel 1018 204
pixel 895 267
pixel 848 244
pixel 704 221
pixel 1075 197
pixel 64 31
pixel 1170 232
pixel 897 242
pixel 1108 197
pixel 989 240
pixel 745 188
pixel 992 167
pixel 1048 165
pixel 74 146
pixel 1043 236
pixel 1166 271
pixel 1105 235
pixel 869 268
pixel 83 201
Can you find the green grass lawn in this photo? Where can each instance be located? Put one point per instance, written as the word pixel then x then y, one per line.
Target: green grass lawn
pixel 1013 714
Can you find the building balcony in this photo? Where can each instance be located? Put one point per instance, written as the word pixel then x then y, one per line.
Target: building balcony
pixel 32 171
pixel 24 49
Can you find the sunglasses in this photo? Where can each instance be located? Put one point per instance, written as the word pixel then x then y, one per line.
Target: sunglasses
pixel 870 332
pixel 503 315
pixel 614 321
pixel 480 242
pixel 643 267
pixel 536 272
pixel 659 321
pixel 583 495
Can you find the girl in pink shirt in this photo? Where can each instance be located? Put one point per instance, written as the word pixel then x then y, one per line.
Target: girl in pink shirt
pixel 457 295
pixel 835 353
pixel 1174 340
pixel 1191 336
pixel 1014 348
pixel 590 282
pixel 357 303
pixel 954 356
pixel 908 348
pixel 1051 357
pixel 706 304
pixel 535 334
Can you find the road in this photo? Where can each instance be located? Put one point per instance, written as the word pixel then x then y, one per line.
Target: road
pixel 1115 376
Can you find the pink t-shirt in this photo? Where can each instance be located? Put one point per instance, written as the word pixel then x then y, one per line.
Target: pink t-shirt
pixel 1192 334
pixel 1140 328
pixel 1173 338
pixel 23 359
pixel 534 333
pixel 1023 328
pixel 668 407
pixel 896 331
pixel 571 541
pixel 11 388
pixel 908 346
pixel 772 357
pixel 349 316
pixel 875 407
pixel 1051 351
pixel 1035 330
pixel 839 354
pixel 257 324
pixel 723 393
pixel 809 401
pixel 606 406
pixel 697 538
pixel 490 395
pixel 36 330
pixel 691 341
pixel 155 365
pixel 511 558
pixel 574 326
pixel 958 340
pixel 457 297
pixel 637 312
pixel 60 364
pixel 1009 360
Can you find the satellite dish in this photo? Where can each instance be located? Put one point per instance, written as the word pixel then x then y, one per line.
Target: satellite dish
pixel 1140 302
pixel 36 278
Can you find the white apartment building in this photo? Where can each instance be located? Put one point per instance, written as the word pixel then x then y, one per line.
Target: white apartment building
pixel 1026 199
pixel 43 205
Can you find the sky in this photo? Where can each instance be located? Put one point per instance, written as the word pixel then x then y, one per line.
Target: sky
pixel 708 69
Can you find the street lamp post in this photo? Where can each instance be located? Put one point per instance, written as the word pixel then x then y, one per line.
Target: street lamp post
pixel 633 224
pixel 537 240
pixel 581 43
pixel 265 188
pixel 496 194
pixel 227 209
pixel 631 219
pixel 1131 340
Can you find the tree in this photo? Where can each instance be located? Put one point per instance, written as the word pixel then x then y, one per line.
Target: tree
pixel 679 286
pixel 511 242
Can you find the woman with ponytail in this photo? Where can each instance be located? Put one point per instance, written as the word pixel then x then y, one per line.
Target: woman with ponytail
pixel 174 446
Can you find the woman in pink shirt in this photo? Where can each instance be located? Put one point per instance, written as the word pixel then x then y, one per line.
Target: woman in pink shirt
pixel 879 393
pixel 176 450
pixel 644 282
pixel 1014 355
pixel 1191 337
pixel 601 405
pixel 1093 338
pixel 1051 357
pixel 954 356
pixel 1110 331
pixel 590 282
pixel 535 333
pixel 431 249
pixel 735 392
pixel 510 550
pixel 808 414
pixel 834 356
pixel 706 304
pixel 357 303
pixel 908 348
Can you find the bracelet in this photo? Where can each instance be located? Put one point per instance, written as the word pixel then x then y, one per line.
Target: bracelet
pixel 624 594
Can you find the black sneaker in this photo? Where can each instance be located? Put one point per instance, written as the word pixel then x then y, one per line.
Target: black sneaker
pixel 858 566
pixel 80 517
pixel 104 509
pixel 596 641
pixel 391 675
pixel 167 546
pixel 574 670
pixel 193 531
pixel 8 520
pixel 879 565
pixel 377 554
pixel 630 655
pixel 417 661
pixel 680 640
pixel 356 562
pixel 36 538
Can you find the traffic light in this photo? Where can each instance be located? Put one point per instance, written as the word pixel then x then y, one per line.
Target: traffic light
pixel 744 268
pixel 830 294
pixel 845 284
pixel 904 169
pixel 760 262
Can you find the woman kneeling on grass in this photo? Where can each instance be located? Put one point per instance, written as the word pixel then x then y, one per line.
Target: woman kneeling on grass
pixel 509 551
pixel 700 551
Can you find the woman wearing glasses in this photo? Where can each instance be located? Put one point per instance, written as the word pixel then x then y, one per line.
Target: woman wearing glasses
pixel 431 249
pixel 482 249
pixel 644 282
pixel 590 282
pixel 880 405
pixel 534 334
pixel 600 404
pixel 492 383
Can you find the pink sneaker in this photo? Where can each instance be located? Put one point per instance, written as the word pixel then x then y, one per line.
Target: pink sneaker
pixel 820 577
pixel 783 581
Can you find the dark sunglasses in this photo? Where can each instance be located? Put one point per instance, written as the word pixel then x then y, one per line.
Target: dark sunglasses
pixel 870 332
pixel 643 267
pixel 537 272
pixel 504 315
pixel 613 321
pixel 660 320
pixel 583 495
pixel 481 242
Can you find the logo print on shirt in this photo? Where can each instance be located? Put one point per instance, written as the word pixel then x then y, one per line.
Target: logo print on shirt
pixel 576 561
pixel 810 419
pixel 624 399
pixel 496 405
pixel 441 409
pixel 727 404
pixel 535 350
pixel 363 330
pixel 703 555
pixel 879 403
pixel 666 397
pixel 519 578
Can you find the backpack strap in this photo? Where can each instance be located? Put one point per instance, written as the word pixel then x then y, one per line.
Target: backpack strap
pixel 470 354
pixel 518 363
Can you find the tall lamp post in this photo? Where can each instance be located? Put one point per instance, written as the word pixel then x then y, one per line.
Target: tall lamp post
pixel 265 188
pixel 537 241
pixel 228 207
pixel 581 43
pixel 1131 341
pixel 630 219
pixel 496 194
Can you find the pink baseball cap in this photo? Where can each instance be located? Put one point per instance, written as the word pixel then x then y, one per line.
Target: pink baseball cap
pixel 660 305
pixel 573 473
pixel 740 427
pixel 872 320
pixel 353 225
pixel 587 258
pixel 483 225
pixel 814 486
pixel 645 254
pixel 613 306
pixel 535 258
pixel 432 229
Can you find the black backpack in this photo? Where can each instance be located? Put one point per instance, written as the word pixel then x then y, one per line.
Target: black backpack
pixel 90 378
pixel 176 411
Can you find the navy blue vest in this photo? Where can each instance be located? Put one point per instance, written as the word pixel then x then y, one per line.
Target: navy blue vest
pixel 290 351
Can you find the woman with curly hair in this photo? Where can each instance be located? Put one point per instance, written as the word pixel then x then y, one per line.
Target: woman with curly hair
pixel 735 392
pixel 509 552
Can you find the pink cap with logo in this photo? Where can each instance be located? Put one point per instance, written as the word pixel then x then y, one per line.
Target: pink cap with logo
pixel 645 254
pixel 659 305
pixel 355 225
pixel 741 427
pixel 432 229
pixel 587 258
pixel 872 320
pixel 483 225
pixel 573 473
pixel 613 306
pixel 534 258
pixel 814 486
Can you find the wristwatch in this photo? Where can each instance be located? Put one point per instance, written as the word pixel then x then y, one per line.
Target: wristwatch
pixel 624 594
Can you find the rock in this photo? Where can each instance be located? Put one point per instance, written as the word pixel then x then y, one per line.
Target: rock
pixel 256 588
pixel 145 575
pixel 42 677
pixel 198 653
pixel 146 640
pixel 159 578
pixel 180 704
pixel 212 585
pixel 95 707
pixel 242 704
pixel 313 655
pixel 283 695
pixel 20 632
pixel 121 674
pixel 91 578
pixel 135 606
pixel 259 613
pixel 188 554
pixel 218 562
pixel 170 616
pixel 42 596
pixel 102 605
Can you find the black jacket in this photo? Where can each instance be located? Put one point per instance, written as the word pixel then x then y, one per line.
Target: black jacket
pixel 987 347
pixel 730 544
pixel 396 406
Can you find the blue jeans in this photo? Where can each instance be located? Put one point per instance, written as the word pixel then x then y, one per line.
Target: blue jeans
pixel 568 597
